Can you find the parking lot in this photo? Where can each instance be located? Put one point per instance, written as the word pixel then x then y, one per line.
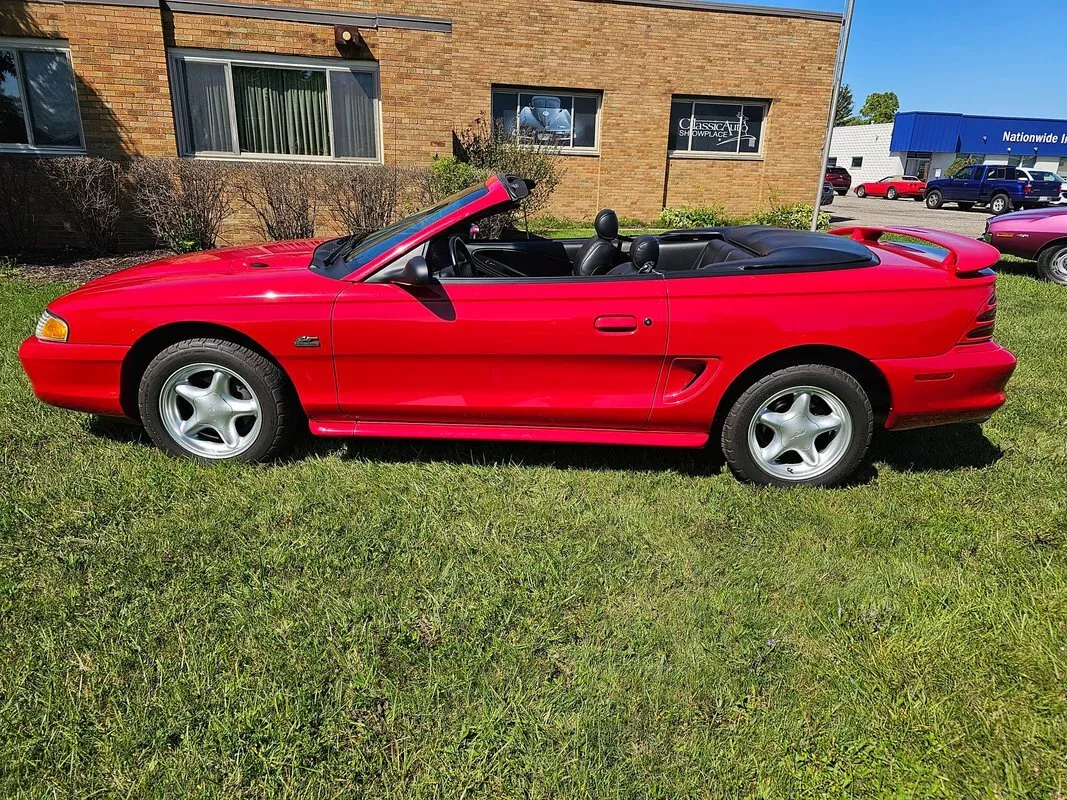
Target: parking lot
pixel 851 210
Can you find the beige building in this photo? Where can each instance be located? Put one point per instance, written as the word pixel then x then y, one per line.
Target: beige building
pixel 651 102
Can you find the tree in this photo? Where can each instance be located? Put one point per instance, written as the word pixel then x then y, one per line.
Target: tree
pixel 845 106
pixel 880 107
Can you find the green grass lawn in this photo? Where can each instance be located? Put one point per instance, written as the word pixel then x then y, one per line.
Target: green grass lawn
pixel 454 620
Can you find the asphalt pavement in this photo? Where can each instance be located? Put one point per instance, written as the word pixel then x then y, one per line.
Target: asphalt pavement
pixel 852 210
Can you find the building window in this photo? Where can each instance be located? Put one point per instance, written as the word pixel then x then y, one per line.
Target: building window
pixel 720 128
pixel 1022 161
pixel 38 102
pixel 239 105
pixel 857 162
pixel 831 161
pixel 568 120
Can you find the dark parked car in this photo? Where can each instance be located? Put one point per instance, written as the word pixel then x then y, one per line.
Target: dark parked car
pixel 1040 235
pixel 827 194
pixel 840 179
pixel 1000 187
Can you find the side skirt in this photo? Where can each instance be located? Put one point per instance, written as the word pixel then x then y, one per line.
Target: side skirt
pixel 522 433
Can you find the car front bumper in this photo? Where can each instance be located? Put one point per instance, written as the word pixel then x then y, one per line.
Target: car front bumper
pixel 965 384
pixel 83 377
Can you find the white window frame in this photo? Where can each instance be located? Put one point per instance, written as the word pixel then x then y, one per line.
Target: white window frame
pixel 572 93
pixel 229 59
pixel 21 44
pixel 712 154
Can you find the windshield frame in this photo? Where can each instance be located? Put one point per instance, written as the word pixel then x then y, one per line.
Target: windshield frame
pixel 366 254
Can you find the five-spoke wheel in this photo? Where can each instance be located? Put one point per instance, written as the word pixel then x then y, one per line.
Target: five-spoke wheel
pixel 216 400
pixel 808 424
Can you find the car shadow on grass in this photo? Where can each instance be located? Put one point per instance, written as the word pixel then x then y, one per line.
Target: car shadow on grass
pixel 942 449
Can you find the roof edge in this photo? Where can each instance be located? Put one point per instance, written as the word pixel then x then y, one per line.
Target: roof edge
pixel 732 8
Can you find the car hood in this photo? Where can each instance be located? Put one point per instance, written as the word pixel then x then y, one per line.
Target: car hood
pixel 1033 215
pixel 268 258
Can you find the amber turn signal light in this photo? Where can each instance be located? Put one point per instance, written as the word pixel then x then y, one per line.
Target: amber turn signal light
pixel 51 328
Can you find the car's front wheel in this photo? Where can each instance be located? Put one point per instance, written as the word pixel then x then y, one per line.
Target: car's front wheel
pixel 804 425
pixel 1052 265
pixel 861 192
pixel 215 400
pixel 934 199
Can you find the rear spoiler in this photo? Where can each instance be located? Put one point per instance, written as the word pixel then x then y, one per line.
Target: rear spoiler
pixel 965 256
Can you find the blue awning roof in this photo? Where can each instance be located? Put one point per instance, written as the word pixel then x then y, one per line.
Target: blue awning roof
pixel 961 133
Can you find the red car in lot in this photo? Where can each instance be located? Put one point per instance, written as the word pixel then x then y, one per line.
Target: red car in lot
pixel 892 187
pixel 789 347
pixel 839 178
pixel 1039 234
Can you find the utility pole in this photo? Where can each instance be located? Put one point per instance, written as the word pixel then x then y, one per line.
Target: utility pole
pixel 839 69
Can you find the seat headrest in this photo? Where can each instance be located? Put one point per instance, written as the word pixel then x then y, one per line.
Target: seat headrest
pixel 607 224
pixel 644 252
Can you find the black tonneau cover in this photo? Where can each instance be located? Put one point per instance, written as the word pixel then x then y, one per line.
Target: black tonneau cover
pixel 776 248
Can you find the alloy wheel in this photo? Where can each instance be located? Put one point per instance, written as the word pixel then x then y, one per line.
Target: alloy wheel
pixel 800 433
pixel 210 411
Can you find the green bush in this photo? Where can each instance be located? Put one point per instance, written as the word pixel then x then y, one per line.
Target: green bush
pixel 696 217
pixel 796 216
pixel 449 175
pixel 547 222
pixel 960 163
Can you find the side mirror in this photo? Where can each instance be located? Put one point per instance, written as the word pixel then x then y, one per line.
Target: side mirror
pixel 413 272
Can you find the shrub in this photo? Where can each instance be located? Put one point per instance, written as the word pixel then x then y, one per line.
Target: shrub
pixel 960 163
pixel 491 149
pixel 90 191
pixel 697 217
pixel 19 205
pixel 284 198
pixel 365 197
pixel 546 223
pixel 445 177
pixel 796 216
pixel 184 200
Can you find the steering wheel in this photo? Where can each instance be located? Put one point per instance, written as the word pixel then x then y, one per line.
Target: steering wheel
pixel 462 262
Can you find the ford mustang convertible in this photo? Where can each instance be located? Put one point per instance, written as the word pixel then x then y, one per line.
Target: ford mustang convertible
pixel 787 348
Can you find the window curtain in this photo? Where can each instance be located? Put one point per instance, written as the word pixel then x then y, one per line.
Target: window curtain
pixel 281 111
pixel 209 107
pixel 354 125
pixel 53 104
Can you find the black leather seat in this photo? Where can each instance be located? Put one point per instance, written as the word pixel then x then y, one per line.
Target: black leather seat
pixel 644 255
pixel 598 255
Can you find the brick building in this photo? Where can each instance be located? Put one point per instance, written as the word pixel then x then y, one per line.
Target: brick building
pixel 652 102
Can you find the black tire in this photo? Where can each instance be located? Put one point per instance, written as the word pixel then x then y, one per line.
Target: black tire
pixel 278 410
pixel 1000 204
pixel 739 419
pixel 934 199
pixel 841 192
pixel 891 194
pixel 965 206
pixel 1052 264
pixel 861 192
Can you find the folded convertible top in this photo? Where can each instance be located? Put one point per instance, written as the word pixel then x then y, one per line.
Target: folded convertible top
pixel 764 247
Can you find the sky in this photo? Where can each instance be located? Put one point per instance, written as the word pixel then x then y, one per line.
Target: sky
pixel 982 57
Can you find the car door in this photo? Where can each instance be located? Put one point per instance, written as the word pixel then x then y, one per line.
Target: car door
pixel 953 188
pixel 564 352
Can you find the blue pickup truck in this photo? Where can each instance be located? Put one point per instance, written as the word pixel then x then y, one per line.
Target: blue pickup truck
pixel 1000 187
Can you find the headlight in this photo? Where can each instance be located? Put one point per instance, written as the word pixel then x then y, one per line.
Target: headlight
pixel 51 328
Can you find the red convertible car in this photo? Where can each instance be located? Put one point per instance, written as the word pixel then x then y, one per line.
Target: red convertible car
pixel 787 347
pixel 892 187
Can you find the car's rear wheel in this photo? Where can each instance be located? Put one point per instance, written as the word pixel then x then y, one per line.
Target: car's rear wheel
pixel 861 192
pixel 215 400
pixel 934 199
pixel 891 194
pixel 1000 204
pixel 804 425
pixel 1052 265
pixel 841 192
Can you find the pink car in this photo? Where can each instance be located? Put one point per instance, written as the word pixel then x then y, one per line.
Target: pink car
pixel 1039 234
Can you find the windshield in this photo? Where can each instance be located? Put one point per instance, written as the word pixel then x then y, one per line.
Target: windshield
pixel 364 250
pixel 1044 175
